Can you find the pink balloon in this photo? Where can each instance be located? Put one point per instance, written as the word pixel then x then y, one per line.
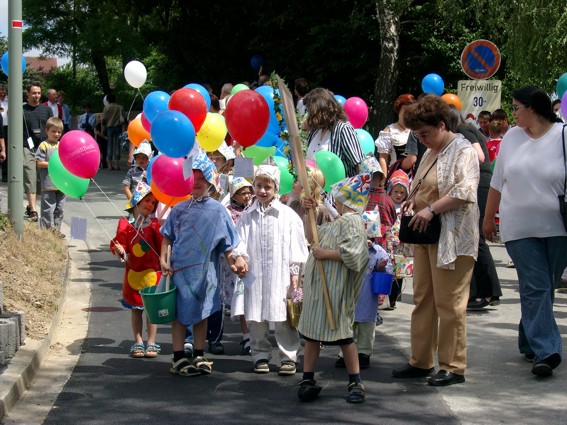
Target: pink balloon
pixel 145 123
pixel 564 105
pixel 357 111
pixel 167 174
pixel 311 164
pixel 79 154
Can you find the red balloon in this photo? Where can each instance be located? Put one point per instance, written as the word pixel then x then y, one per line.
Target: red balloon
pixel 191 104
pixel 247 117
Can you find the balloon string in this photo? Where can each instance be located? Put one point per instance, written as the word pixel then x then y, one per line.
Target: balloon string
pixel 121 212
pixel 96 218
pixel 134 100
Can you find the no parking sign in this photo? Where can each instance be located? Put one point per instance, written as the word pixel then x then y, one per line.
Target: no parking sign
pixel 480 59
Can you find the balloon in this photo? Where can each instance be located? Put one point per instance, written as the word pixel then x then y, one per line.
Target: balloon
pixel 281 161
pixel 145 123
pixel 331 166
pixel 433 84
pixel 560 88
pixel 154 103
pixel 564 105
pixel 340 99
pixel 286 181
pixel 191 104
pixel 452 99
pixel 136 131
pixel 63 180
pixel 79 154
pixel 166 199
pixel 357 111
pixel 167 175
pixel 239 87
pixel 212 133
pixel 281 148
pixel 493 164
pixel 173 134
pixel 258 153
pixel 267 140
pixel 135 74
pixel 5 65
pixel 202 91
pixel 256 62
pixel 267 93
pixel 247 117
pixel 311 164
pixel 149 168
pixel 366 141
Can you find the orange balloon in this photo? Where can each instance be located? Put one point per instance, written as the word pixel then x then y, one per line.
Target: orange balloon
pixel 165 198
pixel 452 99
pixel 136 131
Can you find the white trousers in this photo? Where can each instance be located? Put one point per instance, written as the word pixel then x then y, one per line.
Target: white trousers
pixel 287 340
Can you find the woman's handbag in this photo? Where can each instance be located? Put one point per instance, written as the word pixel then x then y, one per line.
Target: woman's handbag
pixel 432 231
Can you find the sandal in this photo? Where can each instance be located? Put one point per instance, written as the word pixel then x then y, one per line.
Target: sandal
pixel 184 367
pixel 203 365
pixel 152 350
pixel 357 394
pixel 137 351
pixel 308 390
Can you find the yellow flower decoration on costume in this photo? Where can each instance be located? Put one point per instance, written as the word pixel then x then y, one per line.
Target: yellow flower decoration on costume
pixel 143 279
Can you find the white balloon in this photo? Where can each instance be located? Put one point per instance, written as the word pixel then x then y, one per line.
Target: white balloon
pixel 135 74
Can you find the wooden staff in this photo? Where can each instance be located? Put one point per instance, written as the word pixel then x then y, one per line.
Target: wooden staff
pixel 299 164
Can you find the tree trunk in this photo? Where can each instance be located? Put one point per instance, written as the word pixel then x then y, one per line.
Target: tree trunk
pixel 101 71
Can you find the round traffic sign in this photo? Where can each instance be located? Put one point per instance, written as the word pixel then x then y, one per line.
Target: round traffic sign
pixel 480 59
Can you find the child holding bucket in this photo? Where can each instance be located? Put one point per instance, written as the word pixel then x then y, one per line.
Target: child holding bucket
pixel 138 244
pixel 199 231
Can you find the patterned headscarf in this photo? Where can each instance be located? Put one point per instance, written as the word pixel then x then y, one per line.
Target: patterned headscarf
pixel 203 163
pixel 353 191
pixel 237 184
pixel 399 177
pixel 370 165
pixel 142 189
pixel 226 151
pixel 270 169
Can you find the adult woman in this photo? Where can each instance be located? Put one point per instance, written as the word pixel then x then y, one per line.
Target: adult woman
pixel 330 130
pixel 449 174
pixel 113 121
pixel 528 178
pixel 485 286
pixel 391 142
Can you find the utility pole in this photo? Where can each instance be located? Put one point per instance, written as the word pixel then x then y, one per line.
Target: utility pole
pixel 15 109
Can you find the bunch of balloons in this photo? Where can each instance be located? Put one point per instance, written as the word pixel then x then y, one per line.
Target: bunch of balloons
pixel 75 162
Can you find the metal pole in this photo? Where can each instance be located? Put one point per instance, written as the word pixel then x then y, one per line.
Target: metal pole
pixel 15 135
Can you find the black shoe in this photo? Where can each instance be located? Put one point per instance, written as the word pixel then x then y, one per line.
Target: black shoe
pixel 545 367
pixel 216 348
pixel 477 304
pixel 444 378
pixel 363 361
pixel 340 363
pixel 409 371
pixel 529 357
pixel 308 390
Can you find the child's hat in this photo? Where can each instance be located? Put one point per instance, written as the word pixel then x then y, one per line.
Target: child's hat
pixel 353 191
pixel 372 224
pixel 270 169
pixel 370 165
pixel 203 163
pixel 399 177
pixel 142 189
pixel 226 151
pixel 237 184
pixel 145 149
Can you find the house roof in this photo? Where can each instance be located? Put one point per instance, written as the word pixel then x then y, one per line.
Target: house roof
pixel 44 65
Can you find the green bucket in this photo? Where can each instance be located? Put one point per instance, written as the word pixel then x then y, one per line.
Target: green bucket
pixel 160 307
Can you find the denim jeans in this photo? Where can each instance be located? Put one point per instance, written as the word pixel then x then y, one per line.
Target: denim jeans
pixel 113 147
pixel 539 263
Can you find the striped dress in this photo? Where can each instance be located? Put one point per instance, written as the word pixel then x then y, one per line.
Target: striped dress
pixel 344 280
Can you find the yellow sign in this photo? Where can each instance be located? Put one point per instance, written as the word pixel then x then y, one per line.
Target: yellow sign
pixel 479 95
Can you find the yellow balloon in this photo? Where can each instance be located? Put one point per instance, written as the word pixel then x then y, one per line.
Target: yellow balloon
pixel 212 132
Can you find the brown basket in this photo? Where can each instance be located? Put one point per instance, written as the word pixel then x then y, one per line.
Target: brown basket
pixel 293 313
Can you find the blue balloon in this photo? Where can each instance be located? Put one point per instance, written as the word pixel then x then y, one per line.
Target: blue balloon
pixel 267 93
pixel 433 84
pixel 202 91
pixel 5 65
pixel 267 140
pixel 256 62
pixel 149 168
pixel 340 99
pixel 155 103
pixel 366 141
pixel 173 134
pixel 280 148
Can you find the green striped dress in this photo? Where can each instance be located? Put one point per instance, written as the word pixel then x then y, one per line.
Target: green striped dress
pixel 344 280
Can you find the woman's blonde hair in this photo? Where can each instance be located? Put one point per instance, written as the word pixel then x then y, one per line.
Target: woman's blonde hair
pixel 316 184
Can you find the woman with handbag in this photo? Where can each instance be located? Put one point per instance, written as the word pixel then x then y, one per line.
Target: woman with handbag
pixel 444 186
pixel 528 185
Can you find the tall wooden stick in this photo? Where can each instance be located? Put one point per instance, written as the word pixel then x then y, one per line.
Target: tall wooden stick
pixel 299 164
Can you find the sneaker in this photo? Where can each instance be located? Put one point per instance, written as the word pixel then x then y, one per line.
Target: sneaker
pixel 216 348
pixel 245 350
pixel 308 390
pixel 203 365
pixel 287 368
pixel 390 307
pixel 262 366
pixel 561 286
pixel 188 347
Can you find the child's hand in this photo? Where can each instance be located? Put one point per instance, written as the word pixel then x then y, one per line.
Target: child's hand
pixel 119 250
pixel 308 203
pixel 381 264
pixel 240 267
pixel 294 280
pixel 166 269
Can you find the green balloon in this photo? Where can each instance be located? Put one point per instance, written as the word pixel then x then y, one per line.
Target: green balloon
pixel 281 161
pixel 286 180
pixel 63 180
pixel 239 87
pixel 259 153
pixel 332 168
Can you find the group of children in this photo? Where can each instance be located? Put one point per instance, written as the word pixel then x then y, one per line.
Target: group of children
pixel 250 256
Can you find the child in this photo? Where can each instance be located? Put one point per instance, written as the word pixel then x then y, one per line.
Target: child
pixel 493 142
pixel 344 255
pixel 200 231
pixel 138 244
pixel 137 173
pixel 316 185
pixel 240 196
pixel 398 188
pixel 273 234
pixel 52 199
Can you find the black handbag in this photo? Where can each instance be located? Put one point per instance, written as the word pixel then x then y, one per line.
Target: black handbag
pixel 562 206
pixel 431 233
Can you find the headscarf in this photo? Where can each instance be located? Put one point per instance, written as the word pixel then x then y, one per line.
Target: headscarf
pixel 226 151
pixel 370 165
pixel 237 184
pixel 142 189
pixel 353 191
pixel 144 148
pixel 270 169
pixel 399 177
pixel 203 163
